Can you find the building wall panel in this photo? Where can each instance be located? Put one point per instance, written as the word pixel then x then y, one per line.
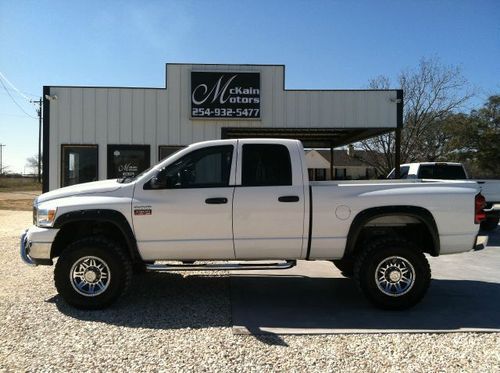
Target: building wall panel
pixel 113 116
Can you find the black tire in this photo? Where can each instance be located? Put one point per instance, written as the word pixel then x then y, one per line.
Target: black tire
pixel 381 252
pixel 345 266
pixel 139 267
pixel 490 224
pixel 116 262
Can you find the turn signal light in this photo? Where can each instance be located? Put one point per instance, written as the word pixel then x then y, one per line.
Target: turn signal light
pixel 479 205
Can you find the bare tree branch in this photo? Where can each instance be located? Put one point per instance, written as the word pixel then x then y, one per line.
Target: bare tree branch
pixel 432 91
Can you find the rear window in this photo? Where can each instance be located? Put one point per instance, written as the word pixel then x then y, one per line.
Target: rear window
pixel 265 165
pixel 441 171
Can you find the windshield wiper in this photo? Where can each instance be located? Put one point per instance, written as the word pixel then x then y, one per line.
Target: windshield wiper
pixel 126 180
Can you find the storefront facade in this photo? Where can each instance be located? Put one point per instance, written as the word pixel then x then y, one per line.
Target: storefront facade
pixel 95 133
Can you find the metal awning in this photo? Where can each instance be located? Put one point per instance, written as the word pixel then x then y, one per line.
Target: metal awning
pixel 310 137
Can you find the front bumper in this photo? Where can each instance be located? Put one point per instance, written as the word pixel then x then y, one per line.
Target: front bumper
pixel 481 243
pixel 36 244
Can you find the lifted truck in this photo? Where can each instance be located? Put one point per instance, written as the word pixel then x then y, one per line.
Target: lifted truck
pixel 241 201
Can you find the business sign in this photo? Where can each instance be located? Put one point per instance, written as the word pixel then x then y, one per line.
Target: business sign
pixel 225 95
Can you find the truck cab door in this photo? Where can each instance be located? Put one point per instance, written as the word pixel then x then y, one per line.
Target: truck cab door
pixel 269 201
pixel 184 212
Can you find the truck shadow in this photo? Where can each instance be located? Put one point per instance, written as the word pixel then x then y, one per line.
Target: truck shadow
pixel 493 236
pixel 255 304
pixel 164 301
pixel 333 305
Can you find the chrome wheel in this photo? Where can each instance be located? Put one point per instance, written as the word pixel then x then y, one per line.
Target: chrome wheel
pixel 395 276
pixel 90 276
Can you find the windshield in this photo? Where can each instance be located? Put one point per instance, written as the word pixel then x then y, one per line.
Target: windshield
pixel 403 172
pixel 129 179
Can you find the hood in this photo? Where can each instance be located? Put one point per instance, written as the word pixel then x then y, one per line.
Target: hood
pixel 95 187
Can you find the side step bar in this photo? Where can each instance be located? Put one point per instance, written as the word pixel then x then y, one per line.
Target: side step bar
pixel 220 267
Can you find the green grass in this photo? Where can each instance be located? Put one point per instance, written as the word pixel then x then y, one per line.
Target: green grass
pixel 18 184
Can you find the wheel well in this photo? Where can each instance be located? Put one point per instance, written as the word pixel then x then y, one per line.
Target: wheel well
pixel 414 224
pixel 75 230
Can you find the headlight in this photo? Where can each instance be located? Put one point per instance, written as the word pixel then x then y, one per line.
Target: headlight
pixel 45 217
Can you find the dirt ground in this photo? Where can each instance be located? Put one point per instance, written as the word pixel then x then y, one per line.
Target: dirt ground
pixel 18 200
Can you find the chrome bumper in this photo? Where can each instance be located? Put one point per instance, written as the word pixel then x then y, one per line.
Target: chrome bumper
pixel 35 253
pixel 24 250
pixel 481 243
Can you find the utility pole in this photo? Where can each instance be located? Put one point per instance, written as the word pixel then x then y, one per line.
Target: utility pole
pixel 39 112
pixel 1 158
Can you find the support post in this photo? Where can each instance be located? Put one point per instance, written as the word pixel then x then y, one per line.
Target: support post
pixel 397 154
pixel 1 158
pixel 40 140
pixel 332 177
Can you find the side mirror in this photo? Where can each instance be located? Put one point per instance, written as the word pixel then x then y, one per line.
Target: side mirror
pixel 159 181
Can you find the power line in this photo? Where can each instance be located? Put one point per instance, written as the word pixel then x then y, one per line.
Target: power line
pixel 17 104
pixel 26 93
pixel 13 87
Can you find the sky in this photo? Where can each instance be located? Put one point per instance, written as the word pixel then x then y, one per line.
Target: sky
pixel 324 45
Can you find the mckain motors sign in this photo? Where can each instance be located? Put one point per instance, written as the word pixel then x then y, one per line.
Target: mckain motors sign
pixel 225 95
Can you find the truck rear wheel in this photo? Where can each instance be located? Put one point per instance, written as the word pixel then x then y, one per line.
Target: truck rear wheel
pixel 92 273
pixel 490 223
pixel 392 273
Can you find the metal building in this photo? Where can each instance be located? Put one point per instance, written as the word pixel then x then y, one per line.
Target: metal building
pixel 94 133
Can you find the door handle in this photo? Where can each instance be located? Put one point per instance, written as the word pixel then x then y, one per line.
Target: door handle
pixel 216 201
pixel 289 199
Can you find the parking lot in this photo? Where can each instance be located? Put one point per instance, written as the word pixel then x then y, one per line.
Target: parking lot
pixel 211 322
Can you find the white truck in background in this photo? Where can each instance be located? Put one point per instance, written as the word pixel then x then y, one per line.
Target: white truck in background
pixel 241 201
pixel 490 189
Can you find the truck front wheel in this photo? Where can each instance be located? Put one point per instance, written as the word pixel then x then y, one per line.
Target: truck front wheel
pixel 92 273
pixel 392 273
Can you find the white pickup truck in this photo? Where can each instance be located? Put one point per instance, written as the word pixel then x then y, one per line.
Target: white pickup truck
pixel 490 189
pixel 242 202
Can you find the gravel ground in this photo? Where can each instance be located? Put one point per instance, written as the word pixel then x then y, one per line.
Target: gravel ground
pixel 183 322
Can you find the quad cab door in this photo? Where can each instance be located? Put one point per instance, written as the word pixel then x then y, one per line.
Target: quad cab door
pixel 184 212
pixel 269 201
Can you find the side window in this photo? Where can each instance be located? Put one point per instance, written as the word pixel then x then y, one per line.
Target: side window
pixel 202 168
pixel 403 172
pixel 426 172
pixel 265 165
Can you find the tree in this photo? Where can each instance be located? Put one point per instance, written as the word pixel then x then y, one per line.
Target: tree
pixel 432 91
pixel 4 170
pixel 32 164
pixel 475 140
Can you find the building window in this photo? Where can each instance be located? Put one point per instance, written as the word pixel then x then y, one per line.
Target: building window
pixel 265 165
pixel 127 160
pixel 79 164
pixel 165 151
pixel 340 173
pixel 320 174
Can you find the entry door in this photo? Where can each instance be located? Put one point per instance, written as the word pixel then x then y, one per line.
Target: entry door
pixel 268 207
pixel 185 211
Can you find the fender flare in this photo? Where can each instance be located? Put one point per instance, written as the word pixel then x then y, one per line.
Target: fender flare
pixel 105 216
pixel 362 218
